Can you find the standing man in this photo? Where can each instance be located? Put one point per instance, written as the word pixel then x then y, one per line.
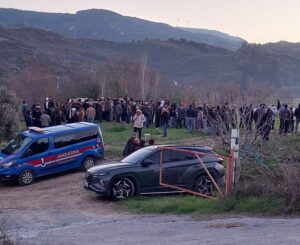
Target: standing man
pixel 90 114
pixel 28 119
pixel 181 116
pixel 292 120
pixel 190 119
pixel 297 115
pixel 285 118
pixel 25 108
pixel 45 120
pixel 165 117
pixel 157 112
pixel 81 115
pixel 36 116
pixel 139 120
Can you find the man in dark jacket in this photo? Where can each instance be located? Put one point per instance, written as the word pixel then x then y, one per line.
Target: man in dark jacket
pixel 265 124
pixel 297 115
pixel 28 119
pixel 190 118
pixel 285 118
pixel 165 117
pixel 181 116
pixel 158 115
pixel 129 147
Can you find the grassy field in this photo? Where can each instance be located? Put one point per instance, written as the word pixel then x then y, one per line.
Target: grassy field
pixel 186 204
pixel 116 135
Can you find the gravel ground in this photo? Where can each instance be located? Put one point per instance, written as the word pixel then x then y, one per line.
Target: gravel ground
pixel 57 210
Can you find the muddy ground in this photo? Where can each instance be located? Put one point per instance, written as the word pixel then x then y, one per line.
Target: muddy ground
pixel 56 210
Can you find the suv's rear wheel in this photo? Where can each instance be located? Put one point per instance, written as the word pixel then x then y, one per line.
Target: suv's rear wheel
pixel 27 177
pixel 87 163
pixel 204 185
pixel 122 188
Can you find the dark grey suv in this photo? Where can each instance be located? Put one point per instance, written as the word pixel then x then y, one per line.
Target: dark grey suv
pixel 139 173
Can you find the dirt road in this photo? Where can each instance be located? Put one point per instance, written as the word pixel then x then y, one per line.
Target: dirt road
pixel 59 192
pixel 57 210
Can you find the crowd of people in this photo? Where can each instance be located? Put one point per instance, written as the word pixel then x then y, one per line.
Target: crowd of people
pixel 218 119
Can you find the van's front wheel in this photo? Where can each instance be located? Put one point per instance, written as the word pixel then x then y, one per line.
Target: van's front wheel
pixel 27 177
pixel 88 163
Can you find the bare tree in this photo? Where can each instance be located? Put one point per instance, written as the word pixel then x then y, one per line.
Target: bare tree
pixel 34 82
pixel 10 114
pixel 143 74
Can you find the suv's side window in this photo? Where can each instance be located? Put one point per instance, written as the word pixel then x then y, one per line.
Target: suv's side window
pixel 154 157
pixel 177 156
pixel 38 147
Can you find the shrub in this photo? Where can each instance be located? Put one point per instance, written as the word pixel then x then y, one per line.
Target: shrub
pixel 282 187
pixel 9 114
pixel 7 236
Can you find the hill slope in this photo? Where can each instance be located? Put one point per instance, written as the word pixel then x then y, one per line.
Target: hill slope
pixel 107 25
pixel 277 64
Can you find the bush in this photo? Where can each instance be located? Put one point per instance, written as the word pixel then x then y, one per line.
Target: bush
pixel 282 187
pixel 7 236
pixel 9 114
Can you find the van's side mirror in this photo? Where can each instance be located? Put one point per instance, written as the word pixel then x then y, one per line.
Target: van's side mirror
pixel 147 162
pixel 28 153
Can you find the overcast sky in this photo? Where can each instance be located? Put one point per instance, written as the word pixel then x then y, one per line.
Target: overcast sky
pixel 257 21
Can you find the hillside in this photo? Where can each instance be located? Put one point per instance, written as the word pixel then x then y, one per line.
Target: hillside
pixel 106 25
pixel 276 64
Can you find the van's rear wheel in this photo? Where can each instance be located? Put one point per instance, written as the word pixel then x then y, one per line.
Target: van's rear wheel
pixel 27 177
pixel 88 163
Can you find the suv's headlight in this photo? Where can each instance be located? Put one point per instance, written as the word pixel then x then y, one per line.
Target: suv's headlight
pixel 8 165
pixel 102 174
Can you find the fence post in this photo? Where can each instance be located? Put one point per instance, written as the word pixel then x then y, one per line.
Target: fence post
pixel 235 145
pixel 233 164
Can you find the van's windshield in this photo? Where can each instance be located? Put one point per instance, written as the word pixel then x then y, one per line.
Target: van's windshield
pixel 16 145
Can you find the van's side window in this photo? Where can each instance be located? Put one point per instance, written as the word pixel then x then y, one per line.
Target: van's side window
pixel 38 147
pixel 70 139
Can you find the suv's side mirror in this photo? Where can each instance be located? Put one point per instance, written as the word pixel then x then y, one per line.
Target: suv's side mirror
pixel 147 162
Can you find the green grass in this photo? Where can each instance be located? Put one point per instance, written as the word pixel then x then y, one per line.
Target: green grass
pixel 115 136
pixel 186 204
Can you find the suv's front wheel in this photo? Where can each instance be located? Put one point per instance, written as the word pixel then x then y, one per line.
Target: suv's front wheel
pixel 27 177
pixel 204 185
pixel 122 188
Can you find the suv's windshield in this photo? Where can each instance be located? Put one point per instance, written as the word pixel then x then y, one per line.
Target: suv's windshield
pixel 16 145
pixel 137 156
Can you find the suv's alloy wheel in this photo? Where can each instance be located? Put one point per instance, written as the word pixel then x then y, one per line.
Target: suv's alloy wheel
pixel 27 177
pixel 204 185
pixel 122 188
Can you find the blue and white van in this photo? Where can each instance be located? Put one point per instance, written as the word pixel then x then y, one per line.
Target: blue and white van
pixel 44 151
